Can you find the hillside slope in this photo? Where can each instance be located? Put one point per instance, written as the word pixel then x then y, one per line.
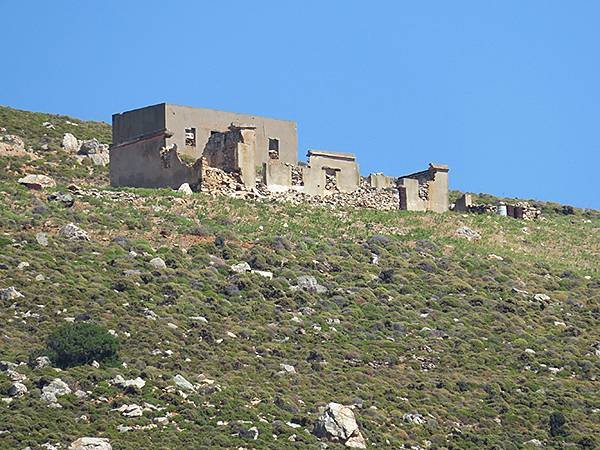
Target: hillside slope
pixel 436 341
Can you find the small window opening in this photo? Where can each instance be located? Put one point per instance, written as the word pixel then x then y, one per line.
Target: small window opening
pixel 273 148
pixel 190 137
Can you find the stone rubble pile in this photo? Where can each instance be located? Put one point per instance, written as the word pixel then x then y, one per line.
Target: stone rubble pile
pixel 518 210
pixel 90 149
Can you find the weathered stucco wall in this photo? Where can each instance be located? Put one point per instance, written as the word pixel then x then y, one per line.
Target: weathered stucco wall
pixel 143 164
pixel 178 118
pixel 428 187
pixel 380 181
pixel 409 195
pixel 277 176
pixel 138 122
pixel 344 164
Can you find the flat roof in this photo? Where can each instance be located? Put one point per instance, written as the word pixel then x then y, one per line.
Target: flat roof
pixel 331 154
pixel 205 109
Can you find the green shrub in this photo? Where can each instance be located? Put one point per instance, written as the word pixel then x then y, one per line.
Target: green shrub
pixel 79 343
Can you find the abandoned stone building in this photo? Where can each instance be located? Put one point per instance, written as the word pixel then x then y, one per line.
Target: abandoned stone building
pixel 167 145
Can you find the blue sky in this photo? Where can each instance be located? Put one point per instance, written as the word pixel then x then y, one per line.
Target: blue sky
pixel 506 92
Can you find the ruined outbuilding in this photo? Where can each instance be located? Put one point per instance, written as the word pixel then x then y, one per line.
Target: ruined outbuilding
pixel 167 145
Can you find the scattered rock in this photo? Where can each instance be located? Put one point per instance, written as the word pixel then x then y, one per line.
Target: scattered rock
pixel 337 423
pixel 11 145
pixel 99 159
pixel 130 410
pixel 185 189
pixel 541 297
pixel 263 273
pixel 55 389
pixel 70 143
pixel 135 384
pixel 72 232
pixel 67 200
pixel 10 294
pixel 89 147
pixel 17 390
pixel 37 182
pixel 42 239
pixel 416 419
pixel 468 233
pixel 90 443
pixel 241 267
pixel 252 433
pixel 41 362
pixel 288 368
pixel 158 263
pixel 309 283
pixel 182 383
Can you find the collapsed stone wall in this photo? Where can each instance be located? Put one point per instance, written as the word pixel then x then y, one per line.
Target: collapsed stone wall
pixel 517 210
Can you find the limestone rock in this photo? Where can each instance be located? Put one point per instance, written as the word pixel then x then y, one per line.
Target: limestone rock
pixel 252 433
pixel 135 384
pixel 70 143
pixel 66 199
pixel 182 383
pixel 99 159
pixel 55 389
pixel 309 283
pixel 37 182
pixel 158 263
pixel 241 267
pixel 90 443
pixel 41 362
pixel 468 233
pixel 17 390
pixel 11 145
pixel 185 189
pixel 337 423
pixel 264 273
pixel 72 232
pixel 541 297
pixel 416 419
pixel 89 147
pixel 42 239
pixel 9 294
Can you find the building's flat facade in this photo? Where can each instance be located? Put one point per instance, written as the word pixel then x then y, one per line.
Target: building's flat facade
pixel 140 134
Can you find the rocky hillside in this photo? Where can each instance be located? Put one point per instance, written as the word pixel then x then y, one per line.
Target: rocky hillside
pixel 153 319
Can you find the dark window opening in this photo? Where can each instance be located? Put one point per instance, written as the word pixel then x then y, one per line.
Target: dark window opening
pixel 273 148
pixel 190 137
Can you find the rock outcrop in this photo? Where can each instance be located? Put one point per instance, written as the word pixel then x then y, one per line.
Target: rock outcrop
pixel 337 423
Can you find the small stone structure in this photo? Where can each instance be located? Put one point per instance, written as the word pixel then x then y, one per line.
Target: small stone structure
pixel 426 190
pixel 517 210
pixel 214 151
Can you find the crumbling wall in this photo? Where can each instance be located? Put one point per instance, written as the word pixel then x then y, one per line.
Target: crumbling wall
pixel 329 172
pixel 380 181
pixel 233 151
pixel 517 210
pixel 146 162
pixel 277 175
pixel 429 193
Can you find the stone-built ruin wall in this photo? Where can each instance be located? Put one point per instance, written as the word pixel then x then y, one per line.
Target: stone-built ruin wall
pixel 426 190
pixel 277 176
pixel 517 210
pixel 330 172
pixel 234 151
